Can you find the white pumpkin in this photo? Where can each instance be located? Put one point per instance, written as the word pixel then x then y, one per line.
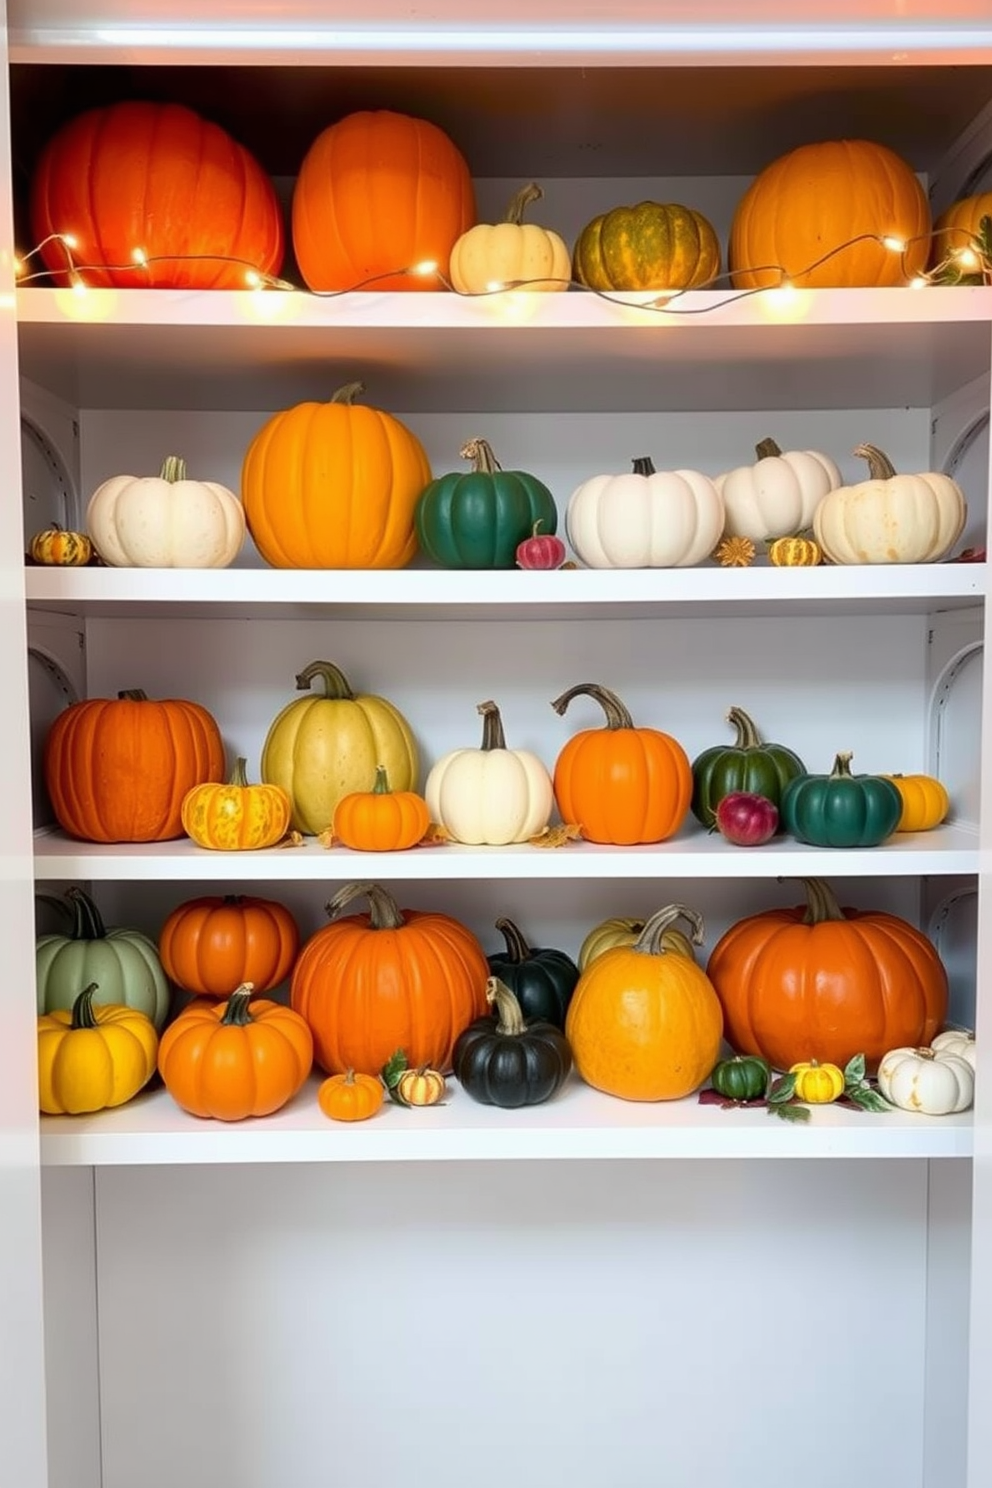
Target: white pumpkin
pixel 649 519
pixel 490 796
pixel 891 518
pixel 926 1080
pixel 503 252
pixel 165 521
pixel 777 496
pixel 956 1041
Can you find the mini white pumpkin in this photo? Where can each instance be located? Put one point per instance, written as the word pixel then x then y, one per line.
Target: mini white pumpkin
pixel 503 252
pixel 649 519
pixel 891 518
pixel 956 1041
pixel 777 496
pixel 490 796
pixel 165 521
pixel 926 1080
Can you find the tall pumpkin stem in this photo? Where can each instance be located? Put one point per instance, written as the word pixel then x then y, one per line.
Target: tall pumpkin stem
pixel 133 695
pixel 767 449
pixel 617 716
pixel 517 949
pixel 821 902
pixel 381 785
pixel 650 938
pixel 173 469
pixel 239 775
pixel 527 194
pixel 842 767
pixel 644 465
pixel 336 684
pixel 348 393
pixel 384 913
pixel 880 467
pixel 493 736
pixel 479 451
pixel 747 735
pixel 237 1014
pixel 510 1017
pixel 83 1015
pixel 87 922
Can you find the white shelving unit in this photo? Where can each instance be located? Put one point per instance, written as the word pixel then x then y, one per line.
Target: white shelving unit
pixel 701 1284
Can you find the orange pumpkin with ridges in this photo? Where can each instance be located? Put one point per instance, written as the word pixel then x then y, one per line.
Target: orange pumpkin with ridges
pixel 211 944
pixel 381 820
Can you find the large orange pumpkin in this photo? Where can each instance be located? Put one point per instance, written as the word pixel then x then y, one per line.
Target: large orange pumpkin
pixel 376 193
pixel 334 485
pixel 117 769
pixel 821 983
pixel 644 1022
pixel 818 197
pixel 621 784
pixel 956 229
pixel 370 984
pixel 155 177
pixel 211 944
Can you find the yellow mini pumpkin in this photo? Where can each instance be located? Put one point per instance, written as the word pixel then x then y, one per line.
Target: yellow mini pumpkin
pixel 494 254
pixel 817 1084
pixel 93 1057
pixel 794 552
pixel 925 802
pixel 56 547
pixel 236 817
pixel 421 1087
pixel 625 932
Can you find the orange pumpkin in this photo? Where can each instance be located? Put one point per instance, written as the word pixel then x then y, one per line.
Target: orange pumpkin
pixel 821 983
pixel 118 769
pixel 821 196
pixel 231 1060
pixel 956 229
pixel 214 943
pixel 644 1022
pixel 369 984
pixel 621 784
pixel 334 485
pixel 376 193
pixel 351 1096
pixel 381 820
pixel 236 817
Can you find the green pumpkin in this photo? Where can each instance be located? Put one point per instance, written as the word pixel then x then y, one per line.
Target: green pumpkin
pixel 123 963
pixel 655 245
pixel 479 520
pixel 841 809
pixel 744 1077
pixel 746 765
pixel 541 980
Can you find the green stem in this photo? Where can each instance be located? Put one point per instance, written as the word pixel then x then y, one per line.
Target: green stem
pixel 492 727
pixel 479 451
pixel 384 913
pixel 239 775
pixel 173 469
pixel 650 938
pixel 617 716
pixel 517 949
pixel 880 467
pixel 237 1014
pixel 83 1015
pixel 510 1019
pixel 381 784
pixel 747 735
pixel 335 682
pixel 767 450
pixel 527 194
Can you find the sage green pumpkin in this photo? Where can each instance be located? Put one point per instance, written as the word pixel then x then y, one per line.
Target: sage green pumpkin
pixel 479 519
pixel 124 963
pixel 746 765
pixel 841 809
pixel 744 1077
pixel 653 245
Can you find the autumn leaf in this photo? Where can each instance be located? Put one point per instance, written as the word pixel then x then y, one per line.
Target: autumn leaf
pixel 435 836
pixel 291 839
pixel 556 836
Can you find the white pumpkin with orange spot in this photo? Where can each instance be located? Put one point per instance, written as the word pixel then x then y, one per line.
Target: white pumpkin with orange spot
pixel 929 1081
pixel 890 518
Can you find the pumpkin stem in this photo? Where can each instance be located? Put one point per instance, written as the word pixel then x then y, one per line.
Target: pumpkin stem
pixel 83 1015
pixel 925 1053
pixel 767 450
pixel 510 1019
pixel 537 527
pixel 173 469
pixel 237 1013
pixel 880 467
pixel 821 902
pixel 336 684
pixel 747 735
pixel 649 940
pixel 493 736
pixel 348 393
pixel 381 785
pixel 384 913
pixel 842 767
pixel 133 695
pixel 77 905
pixel 644 465
pixel 517 949
pixel 239 774
pixel 617 716
pixel 527 194
pixel 479 451
pixel 349 1077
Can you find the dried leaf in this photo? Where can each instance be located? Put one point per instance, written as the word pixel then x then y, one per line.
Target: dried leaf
pixel 326 838
pixel 291 839
pixel 568 565
pixel 556 836
pixel 735 552
pixel 435 836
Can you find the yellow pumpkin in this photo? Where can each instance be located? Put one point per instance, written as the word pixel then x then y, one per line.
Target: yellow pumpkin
pixel 322 748
pixel 956 229
pixel 794 552
pixel 925 802
pixel 236 816
pixel 817 1084
pixel 421 1087
pixel 93 1057
pixel 497 254
pixel 56 547
pixel 624 932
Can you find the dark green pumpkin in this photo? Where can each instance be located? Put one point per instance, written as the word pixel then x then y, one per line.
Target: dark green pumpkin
pixel 542 980
pixel 746 765
pixel 744 1077
pixel 506 1061
pixel 653 245
pixel 479 520
pixel 841 809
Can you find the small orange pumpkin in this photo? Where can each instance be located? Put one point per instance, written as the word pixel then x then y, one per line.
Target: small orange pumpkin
pixel 351 1096
pixel 381 820
pixel 236 817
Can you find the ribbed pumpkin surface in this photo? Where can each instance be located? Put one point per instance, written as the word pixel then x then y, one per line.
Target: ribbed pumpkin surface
pixel 652 245
pixel 958 225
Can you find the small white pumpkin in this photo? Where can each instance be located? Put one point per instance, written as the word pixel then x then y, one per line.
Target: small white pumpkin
pixel 956 1041
pixel 503 252
pixel 776 496
pixel 165 521
pixel 490 796
pixel 649 519
pixel 890 518
pixel 926 1080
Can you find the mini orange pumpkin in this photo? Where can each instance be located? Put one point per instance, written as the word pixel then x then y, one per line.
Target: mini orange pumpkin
pixel 351 1096
pixel 381 820
pixel 236 817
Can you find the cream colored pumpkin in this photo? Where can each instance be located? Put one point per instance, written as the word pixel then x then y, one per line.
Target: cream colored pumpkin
pixel 776 496
pixel 928 1081
pixel 502 253
pixel 956 1041
pixel 165 521
pixel 890 518
pixel 490 796
pixel 649 519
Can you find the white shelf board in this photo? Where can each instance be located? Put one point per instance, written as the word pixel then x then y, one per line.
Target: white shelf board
pixel 948 850
pixel 412 594
pixel 420 351
pixel 578 1123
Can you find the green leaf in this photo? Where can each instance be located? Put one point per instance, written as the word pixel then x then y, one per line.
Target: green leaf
pixel 854 1071
pixel 396 1065
pixel 790 1111
pixel 782 1089
pixel 869 1100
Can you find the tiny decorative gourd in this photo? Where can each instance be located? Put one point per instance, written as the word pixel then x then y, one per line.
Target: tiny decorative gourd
pixel 925 802
pixel 744 1077
pixel 59 548
pixel 890 518
pixel 934 1082
pixel 508 1061
pixel 236 817
pixel 541 552
pixel 165 520
pixel 210 944
pixel 123 965
pixel 350 1096
pixel 777 496
pixel 420 1087
pixel 381 820
pixel 748 764
pixel 841 809
pixel 653 245
pixel 542 979
pixel 626 932
pixel 492 795
pixel 93 1057
pixel 817 1084
pixel 503 253
pixel 794 552
pixel 479 519
pixel 647 519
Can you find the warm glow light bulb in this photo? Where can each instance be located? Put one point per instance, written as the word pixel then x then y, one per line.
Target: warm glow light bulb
pixel 423 269
pixel 894 244
pixel 253 279
pixel 70 240
pixel 78 285
pixel 966 257
pixel 19 267
pixel 139 256
pixel 919 282
pixel 494 286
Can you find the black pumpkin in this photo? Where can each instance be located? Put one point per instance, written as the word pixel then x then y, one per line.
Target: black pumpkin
pixel 541 980
pixel 505 1061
